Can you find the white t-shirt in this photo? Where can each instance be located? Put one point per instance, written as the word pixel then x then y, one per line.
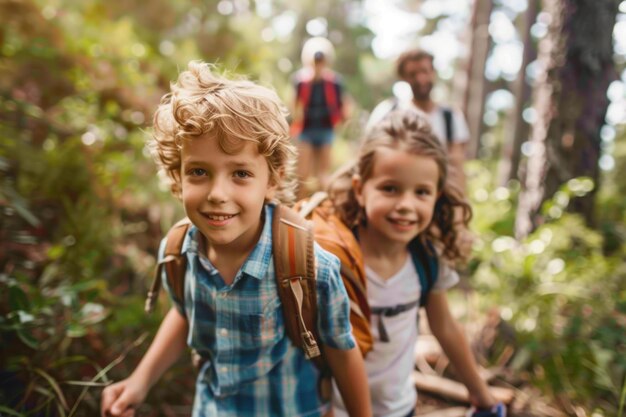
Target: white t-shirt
pixel 390 364
pixel 460 131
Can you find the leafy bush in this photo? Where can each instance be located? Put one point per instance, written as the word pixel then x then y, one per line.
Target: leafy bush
pixel 562 294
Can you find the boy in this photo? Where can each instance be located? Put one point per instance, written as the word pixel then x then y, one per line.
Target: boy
pixel 225 146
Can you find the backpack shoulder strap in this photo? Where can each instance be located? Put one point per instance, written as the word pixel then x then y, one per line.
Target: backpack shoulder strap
pixel 427 265
pixel 312 203
pixel 395 103
pixel 175 265
pixel 447 118
pixel 294 263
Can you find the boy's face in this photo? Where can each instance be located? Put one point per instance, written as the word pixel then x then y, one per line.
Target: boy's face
pixel 224 194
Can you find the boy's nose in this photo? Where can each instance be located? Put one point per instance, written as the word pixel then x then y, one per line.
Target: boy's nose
pixel 218 192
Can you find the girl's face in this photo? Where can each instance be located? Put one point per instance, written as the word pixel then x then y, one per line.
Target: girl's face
pixel 399 198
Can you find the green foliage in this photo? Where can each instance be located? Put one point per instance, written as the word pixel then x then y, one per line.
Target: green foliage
pixel 82 210
pixel 560 292
pixel 81 207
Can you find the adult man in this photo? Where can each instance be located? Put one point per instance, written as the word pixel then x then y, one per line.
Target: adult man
pixel 415 67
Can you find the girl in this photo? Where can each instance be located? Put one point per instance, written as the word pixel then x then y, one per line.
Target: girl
pixel 395 193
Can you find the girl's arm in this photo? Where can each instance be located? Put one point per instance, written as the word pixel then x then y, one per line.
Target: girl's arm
pixel 349 374
pixel 121 398
pixel 454 343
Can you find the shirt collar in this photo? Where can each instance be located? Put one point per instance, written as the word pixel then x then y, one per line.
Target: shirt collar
pixel 258 261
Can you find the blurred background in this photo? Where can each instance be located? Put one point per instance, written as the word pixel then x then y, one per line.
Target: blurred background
pixel 82 210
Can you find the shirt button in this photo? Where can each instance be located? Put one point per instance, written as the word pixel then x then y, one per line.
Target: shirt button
pixel 223 294
pixel 223 332
pixel 224 369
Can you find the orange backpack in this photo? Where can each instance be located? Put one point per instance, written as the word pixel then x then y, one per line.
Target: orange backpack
pixel 332 234
pixel 294 262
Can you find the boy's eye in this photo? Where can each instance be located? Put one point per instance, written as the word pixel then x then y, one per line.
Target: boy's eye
pixel 197 172
pixel 423 191
pixel 242 174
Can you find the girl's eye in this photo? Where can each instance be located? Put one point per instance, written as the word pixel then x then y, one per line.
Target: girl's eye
pixel 389 188
pixel 242 174
pixel 423 191
pixel 197 172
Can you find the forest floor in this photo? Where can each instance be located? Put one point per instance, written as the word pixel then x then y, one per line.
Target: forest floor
pixel 440 394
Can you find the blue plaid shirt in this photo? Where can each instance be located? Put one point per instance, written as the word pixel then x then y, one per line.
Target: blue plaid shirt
pixel 252 368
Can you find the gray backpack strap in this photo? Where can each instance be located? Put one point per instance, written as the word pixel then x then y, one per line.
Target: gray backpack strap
pixel 448 122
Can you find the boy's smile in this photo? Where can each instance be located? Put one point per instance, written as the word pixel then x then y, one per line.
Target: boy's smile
pixel 224 194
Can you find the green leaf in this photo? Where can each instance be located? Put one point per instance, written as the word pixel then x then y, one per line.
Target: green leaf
pixel 68 360
pixel 27 338
pixel 20 206
pixel 18 300
pixel 622 398
pixel 75 330
pixel 10 412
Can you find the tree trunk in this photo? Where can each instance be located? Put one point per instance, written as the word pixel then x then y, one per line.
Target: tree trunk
pixel 475 93
pixel 518 133
pixel 571 102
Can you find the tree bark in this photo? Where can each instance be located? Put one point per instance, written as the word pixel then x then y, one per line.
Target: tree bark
pixel 571 103
pixel 518 134
pixel 475 93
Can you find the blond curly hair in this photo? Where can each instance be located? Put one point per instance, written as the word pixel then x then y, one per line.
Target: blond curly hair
pixel 231 110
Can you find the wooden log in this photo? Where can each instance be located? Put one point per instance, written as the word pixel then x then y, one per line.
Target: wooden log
pixel 445 412
pixel 455 390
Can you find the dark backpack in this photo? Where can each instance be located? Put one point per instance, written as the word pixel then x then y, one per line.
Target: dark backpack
pixel 304 88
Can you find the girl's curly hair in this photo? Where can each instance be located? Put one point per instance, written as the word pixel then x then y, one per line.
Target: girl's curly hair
pixel 231 111
pixel 408 130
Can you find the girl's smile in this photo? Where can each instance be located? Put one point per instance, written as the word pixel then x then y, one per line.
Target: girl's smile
pixel 399 197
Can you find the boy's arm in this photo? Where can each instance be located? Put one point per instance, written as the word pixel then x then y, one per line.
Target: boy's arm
pixel 168 344
pixel 454 343
pixel 349 374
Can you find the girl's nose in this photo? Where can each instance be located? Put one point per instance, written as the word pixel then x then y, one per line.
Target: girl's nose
pixel 405 201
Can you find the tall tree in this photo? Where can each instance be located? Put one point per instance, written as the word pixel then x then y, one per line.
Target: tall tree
pixel 476 90
pixel 570 99
pixel 518 134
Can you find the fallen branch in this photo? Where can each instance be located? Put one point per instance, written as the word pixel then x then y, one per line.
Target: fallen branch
pixel 455 390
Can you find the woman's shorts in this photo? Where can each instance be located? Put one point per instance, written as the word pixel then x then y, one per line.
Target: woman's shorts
pixel 317 137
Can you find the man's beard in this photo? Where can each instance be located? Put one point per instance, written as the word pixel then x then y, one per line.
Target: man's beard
pixel 421 93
